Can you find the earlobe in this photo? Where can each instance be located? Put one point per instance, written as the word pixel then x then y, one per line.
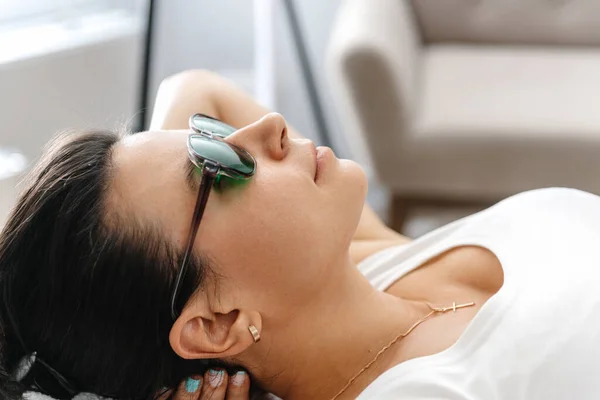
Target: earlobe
pixel 194 336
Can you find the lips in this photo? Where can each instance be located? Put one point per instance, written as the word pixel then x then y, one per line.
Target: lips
pixel 313 149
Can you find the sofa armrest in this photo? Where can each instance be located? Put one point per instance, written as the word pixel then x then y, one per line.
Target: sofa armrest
pixel 372 63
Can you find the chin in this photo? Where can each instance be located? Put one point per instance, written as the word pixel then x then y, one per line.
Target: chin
pixel 355 176
pixel 351 193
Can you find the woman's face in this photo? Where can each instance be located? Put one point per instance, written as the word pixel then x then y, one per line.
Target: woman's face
pixel 274 241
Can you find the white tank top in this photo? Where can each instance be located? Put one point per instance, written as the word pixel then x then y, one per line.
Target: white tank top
pixel 539 336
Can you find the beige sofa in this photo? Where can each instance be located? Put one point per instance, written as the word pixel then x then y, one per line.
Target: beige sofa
pixel 470 100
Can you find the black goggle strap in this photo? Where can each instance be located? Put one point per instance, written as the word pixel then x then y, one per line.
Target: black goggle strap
pixel 209 174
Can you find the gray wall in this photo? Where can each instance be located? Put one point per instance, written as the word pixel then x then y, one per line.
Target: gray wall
pixel 316 17
pixel 79 87
pixel 220 36
pixel 202 34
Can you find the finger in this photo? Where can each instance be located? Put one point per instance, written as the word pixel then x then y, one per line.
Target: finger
pixel 189 389
pixel 239 386
pixel 215 385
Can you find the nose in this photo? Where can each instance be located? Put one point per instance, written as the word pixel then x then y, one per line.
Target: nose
pixel 264 137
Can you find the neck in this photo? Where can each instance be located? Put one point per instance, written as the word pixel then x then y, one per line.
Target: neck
pixel 330 339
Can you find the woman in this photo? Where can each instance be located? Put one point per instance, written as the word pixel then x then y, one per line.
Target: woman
pixel 97 281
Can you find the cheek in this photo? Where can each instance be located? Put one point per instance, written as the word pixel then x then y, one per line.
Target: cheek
pixel 283 229
pixel 260 255
pixel 277 221
pixel 267 230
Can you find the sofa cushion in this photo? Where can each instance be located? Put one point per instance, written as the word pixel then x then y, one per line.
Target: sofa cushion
pixel 568 22
pixel 475 91
pixel 496 121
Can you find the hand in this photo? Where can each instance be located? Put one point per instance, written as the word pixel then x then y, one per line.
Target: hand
pixel 215 385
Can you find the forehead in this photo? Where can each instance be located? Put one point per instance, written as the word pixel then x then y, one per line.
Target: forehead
pixel 160 142
pixel 149 179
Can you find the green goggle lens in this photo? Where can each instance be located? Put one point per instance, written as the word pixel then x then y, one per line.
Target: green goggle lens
pixel 214 126
pixel 233 160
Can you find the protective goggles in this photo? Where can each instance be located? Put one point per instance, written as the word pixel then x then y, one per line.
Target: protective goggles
pixel 216 160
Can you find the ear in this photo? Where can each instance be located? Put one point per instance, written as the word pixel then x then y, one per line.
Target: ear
pixel 202 333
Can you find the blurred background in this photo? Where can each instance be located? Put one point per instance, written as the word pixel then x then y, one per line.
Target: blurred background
pixel 451 105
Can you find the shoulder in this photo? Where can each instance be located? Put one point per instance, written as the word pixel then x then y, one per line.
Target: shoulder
pixel 531 205
pixel 398 383
pixel 551 203
pixel 551 195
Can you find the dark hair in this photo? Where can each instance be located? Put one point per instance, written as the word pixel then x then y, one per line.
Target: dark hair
pixel 84 286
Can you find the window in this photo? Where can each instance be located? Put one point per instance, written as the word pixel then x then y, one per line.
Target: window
pixel 30 28
pixel 12 11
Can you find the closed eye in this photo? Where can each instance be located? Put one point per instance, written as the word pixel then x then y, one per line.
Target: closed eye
pixel 192 176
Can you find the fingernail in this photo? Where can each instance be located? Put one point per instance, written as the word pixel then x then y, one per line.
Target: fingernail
pixel 215 378
pixel 238 378
pixel 192 384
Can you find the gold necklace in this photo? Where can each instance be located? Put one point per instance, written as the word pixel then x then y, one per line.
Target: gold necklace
pixel 434 310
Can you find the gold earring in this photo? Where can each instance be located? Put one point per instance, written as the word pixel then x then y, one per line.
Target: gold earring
pixel 255 334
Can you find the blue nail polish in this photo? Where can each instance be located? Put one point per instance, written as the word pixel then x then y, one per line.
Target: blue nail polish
pixel 192 385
